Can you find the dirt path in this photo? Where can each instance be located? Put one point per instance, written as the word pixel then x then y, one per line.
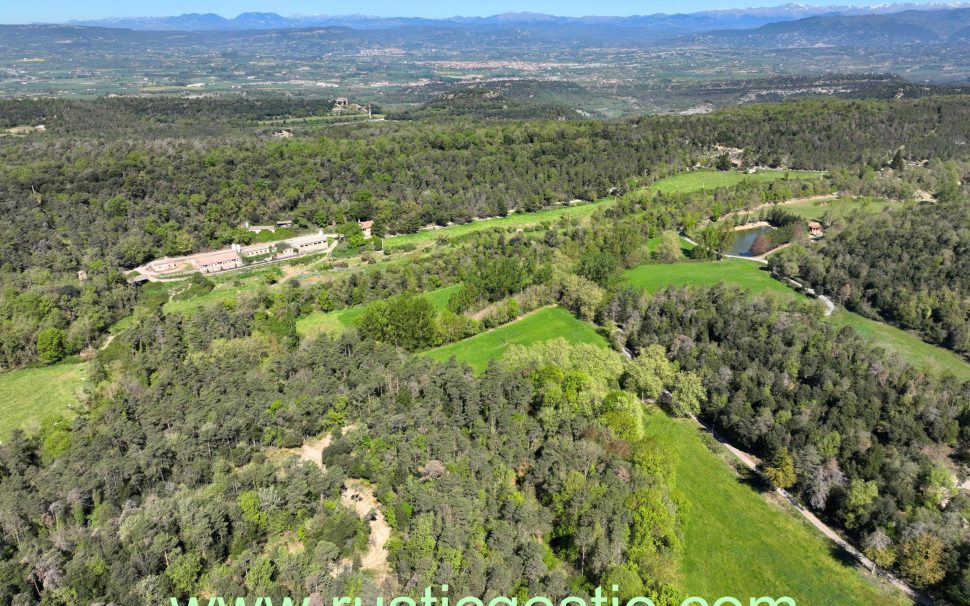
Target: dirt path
pixel 359 496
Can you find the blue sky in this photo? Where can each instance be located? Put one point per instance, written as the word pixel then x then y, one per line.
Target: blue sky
pixel 55 11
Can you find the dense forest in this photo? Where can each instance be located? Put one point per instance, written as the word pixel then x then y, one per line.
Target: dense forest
pixel 910 267
pixel 180 474
pixel 174 480
pixel 183 175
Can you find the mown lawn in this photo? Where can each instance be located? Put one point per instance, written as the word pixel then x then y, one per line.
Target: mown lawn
pixel 697 180
pixel 335 322
pixel 741 543
pixel 30 395
pixel 515 220
pixel 542 325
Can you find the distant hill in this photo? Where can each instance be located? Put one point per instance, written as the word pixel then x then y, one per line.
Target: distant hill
pixel 908 27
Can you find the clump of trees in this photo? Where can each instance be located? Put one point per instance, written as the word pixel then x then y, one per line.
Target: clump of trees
pixel 909 266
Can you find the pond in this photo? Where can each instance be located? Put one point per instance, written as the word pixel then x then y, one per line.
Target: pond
pixel 744 239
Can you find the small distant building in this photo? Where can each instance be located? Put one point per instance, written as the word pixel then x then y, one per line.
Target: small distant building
pixel 366 226
pixel 305 244
pixel 815 229
pixel 258 228
pixel 343 106
pixel 218 261
pixel 82 275
pixel 282 134
pixel 164 265
pixel 256 250
pixel 284 223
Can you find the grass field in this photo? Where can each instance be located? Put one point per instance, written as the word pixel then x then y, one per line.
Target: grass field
pixel 515 220
pixel 31 395
pixel 813 210
pixel 335 322
pixel 224 292
pixel 748 274
pixel 656 276
pixel 697 180
pixel 907 346
pixel 542 325
pixel 740 543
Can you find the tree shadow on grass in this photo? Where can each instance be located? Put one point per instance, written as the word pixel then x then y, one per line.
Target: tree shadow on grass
pixel 842 556
pixel 754 481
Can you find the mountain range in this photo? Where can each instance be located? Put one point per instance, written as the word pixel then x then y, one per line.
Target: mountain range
pixel 671 24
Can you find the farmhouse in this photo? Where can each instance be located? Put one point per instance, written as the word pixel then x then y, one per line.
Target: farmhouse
pixel 815 229
pixel 366 226
pixel 217 261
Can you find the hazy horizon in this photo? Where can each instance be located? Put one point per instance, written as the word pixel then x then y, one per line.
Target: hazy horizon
pixel 61 11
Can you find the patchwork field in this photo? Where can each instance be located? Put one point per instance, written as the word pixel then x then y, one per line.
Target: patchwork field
pixel 30 395
pixel 542 325
pixel 740 542
pixel 697 180
pixel 335 322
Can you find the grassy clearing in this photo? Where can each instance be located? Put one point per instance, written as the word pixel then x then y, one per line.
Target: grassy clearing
pixel 221 293
pixel 747 274
pixel 839 208
pixel 228 287
pixel 514 220
pixel 30 395
pixel 542 325
pixel 907 346
pixel 335 322
pixel 697 180
pixel 739 542
pixel 654 277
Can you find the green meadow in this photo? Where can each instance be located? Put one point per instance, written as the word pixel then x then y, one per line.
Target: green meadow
pixel 335 322
pixel 543 325
pixel 737 541
pixel 514 220
pixel 28 396
pixel 697 180
pixel 750 275
pixel 839 208
pixel 906 345
pixel 740 542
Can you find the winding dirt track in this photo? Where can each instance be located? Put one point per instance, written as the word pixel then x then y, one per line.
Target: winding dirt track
pixel 357 496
